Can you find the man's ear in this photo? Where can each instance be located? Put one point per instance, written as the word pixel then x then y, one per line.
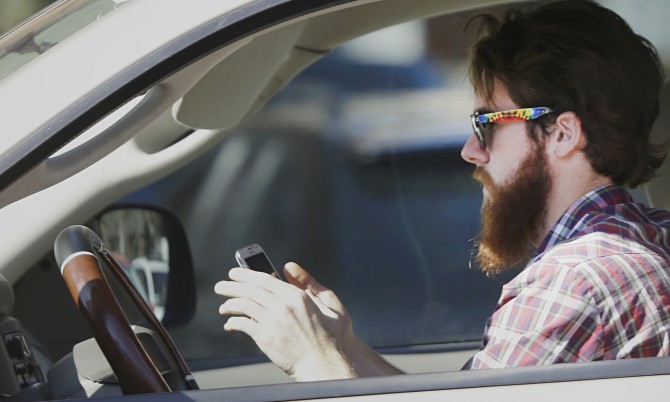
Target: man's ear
pixel 568 136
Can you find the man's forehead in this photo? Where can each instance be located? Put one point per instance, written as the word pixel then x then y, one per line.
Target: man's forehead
pixel 499 100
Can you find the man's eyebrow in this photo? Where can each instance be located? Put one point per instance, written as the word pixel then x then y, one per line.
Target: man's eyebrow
pixel 482 110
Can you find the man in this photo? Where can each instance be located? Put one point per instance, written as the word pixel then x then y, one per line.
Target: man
pixel 566 95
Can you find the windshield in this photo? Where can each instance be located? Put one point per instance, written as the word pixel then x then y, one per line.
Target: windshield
pixel 45 30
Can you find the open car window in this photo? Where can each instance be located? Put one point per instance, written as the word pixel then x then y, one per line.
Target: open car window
pixel 354 171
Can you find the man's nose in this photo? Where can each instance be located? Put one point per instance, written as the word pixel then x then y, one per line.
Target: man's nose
pixel 473 153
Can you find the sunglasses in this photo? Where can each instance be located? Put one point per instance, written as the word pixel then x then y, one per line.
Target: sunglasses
pixel 483 122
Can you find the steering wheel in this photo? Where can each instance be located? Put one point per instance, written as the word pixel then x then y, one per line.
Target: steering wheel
pixel 81 256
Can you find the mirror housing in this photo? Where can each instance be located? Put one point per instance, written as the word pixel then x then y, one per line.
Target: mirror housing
pixel 150 243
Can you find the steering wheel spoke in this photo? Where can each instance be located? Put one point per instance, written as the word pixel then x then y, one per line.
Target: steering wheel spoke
pixel 81 255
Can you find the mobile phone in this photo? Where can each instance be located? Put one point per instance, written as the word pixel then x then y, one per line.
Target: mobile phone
pixel 254 257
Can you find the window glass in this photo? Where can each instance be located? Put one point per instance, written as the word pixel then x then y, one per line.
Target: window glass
pixel 44 30
pixel 353 171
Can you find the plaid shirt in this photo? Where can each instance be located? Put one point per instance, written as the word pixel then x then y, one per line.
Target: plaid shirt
pixel 598 289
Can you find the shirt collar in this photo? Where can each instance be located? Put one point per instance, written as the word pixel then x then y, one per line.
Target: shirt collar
pixel 575 218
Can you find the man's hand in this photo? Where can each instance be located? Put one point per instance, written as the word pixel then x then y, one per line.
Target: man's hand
pixel 301 326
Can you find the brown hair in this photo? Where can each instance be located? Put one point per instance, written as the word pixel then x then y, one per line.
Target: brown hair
pixel 578 56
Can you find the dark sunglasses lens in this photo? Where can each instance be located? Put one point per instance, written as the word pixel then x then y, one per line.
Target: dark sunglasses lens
pixel 478 132
pixel 476 127
pixel 480 137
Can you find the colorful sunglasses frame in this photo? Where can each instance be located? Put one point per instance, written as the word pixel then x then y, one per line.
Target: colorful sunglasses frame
pixel 478 120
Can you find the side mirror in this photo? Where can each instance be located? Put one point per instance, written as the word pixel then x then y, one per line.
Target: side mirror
pixel 150 245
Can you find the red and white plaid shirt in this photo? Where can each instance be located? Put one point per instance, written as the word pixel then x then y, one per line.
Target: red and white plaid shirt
pixel 598 289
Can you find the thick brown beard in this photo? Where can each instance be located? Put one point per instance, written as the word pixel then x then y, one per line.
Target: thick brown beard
pixel 513 214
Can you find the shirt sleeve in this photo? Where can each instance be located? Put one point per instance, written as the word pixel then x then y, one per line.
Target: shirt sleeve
pixel 546 315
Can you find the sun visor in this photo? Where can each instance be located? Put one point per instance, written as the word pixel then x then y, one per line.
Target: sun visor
pixel 239 82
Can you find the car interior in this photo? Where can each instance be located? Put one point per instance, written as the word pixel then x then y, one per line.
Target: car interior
pixel 214 125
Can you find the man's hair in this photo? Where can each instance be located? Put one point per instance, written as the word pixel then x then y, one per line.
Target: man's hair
pixel 578 56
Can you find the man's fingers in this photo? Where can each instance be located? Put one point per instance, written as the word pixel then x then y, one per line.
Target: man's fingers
pixel 245 290
pixel 302 279
pixel 255 294
pixel 331 300
pixel 242 324
pixel 244 307
pixel 262 280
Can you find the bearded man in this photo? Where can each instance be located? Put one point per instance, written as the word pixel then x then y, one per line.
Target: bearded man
pixel 566 95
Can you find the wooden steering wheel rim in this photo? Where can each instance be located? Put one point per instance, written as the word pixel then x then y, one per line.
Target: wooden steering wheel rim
pixel 78 252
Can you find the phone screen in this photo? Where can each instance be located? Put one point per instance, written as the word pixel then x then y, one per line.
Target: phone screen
pixel 259 262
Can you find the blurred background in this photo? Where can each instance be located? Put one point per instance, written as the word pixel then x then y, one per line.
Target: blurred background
pixel 13 12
